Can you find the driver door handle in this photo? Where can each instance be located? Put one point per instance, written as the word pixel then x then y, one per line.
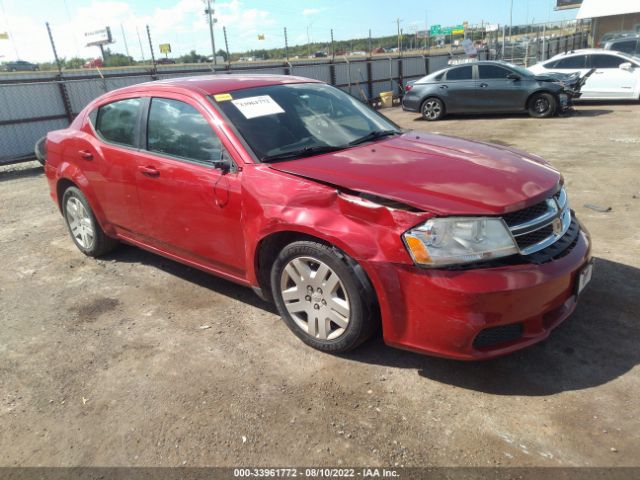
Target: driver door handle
pixel 149 171
pixel 484 85
pixel 444 86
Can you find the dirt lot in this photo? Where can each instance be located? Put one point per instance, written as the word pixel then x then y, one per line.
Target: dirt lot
pixel 105 362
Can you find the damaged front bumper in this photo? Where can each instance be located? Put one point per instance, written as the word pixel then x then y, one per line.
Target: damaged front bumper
pixel 479 313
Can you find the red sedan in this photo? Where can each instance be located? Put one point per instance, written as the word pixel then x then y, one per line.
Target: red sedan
pixel 292 187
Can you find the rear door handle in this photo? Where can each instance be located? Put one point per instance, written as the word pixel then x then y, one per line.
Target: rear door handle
pixel 85 154
pixel 149 171
pixel 484 85
pixel 444 86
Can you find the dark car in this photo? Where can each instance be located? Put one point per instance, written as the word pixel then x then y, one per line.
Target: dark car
pixel 490 87
pixel 165 61
pixel 347 222
pixel 21 66
pixel 630 45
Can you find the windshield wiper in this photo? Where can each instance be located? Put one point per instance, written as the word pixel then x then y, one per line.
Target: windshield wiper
pixel 303 152
pixel 373 136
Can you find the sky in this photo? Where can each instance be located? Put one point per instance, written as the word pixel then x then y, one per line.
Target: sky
pixel 183 24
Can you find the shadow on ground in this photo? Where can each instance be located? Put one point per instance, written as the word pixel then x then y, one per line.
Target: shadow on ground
pixel 596 345
pixel 6 175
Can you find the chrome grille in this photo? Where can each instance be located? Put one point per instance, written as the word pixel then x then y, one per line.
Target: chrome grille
pixel 540 225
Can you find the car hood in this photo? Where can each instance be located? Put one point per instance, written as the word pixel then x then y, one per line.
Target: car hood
pixel 435 173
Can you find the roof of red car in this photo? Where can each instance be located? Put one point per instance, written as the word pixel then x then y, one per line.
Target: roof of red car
pixel 220 83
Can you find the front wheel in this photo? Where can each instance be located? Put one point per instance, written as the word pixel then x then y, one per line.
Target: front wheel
pixel 542 105
pixel 432 109
pixel 83 226
pixel 320 298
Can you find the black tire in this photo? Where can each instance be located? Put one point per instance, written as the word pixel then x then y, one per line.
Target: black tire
pixel 101 244
pixel 363 318
pixel 542 105
pixel 40 150
pixel 432 109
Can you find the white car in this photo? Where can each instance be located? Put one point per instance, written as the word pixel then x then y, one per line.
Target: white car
pixel 616 75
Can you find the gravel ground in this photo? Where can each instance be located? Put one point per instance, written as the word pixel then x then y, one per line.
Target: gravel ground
pixel 136 360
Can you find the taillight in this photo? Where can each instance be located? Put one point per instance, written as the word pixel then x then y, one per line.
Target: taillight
pixel 408 87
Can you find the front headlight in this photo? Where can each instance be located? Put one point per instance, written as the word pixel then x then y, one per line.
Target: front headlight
pixel 448 241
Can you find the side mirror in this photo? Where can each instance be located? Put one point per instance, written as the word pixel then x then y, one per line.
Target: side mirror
pixel 626 66
pixel 513 76
pixel 224 163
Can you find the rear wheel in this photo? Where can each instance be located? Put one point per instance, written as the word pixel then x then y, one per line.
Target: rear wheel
pixel 83 226
pixel 320 298
pixel 542 105
pixel 432 109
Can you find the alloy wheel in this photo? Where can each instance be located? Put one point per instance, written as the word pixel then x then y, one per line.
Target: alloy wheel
pixel 80 223
pixel 315 297
pixel 432 109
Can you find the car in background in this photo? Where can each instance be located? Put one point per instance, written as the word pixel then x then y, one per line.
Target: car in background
pixel 616 75
pixel 20 66
pixel 165 61
pixel 629 45
pixel 607 37
pixel 95 63
pixel 293 187
pixel 489 87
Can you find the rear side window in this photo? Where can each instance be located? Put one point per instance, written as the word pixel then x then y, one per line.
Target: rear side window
pixel 576 62
pixel 176 128
pixel 117 121
pixel 460 73
pixel 606 61
pixel 488 72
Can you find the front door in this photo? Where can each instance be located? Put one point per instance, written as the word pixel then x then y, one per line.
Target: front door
pixel 496 92
pixel 191 208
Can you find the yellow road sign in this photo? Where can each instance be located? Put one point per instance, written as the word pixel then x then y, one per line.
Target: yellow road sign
pixel 165 48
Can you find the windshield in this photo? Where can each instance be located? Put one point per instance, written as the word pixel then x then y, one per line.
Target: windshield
pixel 285 121
pixel 521 70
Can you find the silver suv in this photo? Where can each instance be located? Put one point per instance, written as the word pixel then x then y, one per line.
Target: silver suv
pixel 630 45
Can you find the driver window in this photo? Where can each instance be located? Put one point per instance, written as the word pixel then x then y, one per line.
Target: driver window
pixel 177 129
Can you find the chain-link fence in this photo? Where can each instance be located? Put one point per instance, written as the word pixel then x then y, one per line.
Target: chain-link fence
pixel 33 103
pixel 41 102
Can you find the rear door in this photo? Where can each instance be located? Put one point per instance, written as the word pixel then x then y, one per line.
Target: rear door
pixel 458 90
pixel 191 208
pixel 107 156
pixel 496 92
pixel 609 80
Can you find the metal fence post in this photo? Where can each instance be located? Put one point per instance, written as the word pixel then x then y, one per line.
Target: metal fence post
pixel 153 57
pixel 400 77
pixel 66 102
pixel 370 78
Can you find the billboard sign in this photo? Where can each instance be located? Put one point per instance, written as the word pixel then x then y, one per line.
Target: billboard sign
pixel 438 30
pixel 165 48
pixel 99 37
pixel 566 4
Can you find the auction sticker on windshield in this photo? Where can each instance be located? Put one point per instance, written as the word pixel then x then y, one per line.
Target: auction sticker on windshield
pixel 260 106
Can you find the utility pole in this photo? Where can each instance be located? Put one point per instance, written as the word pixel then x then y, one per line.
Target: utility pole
pixel 140 43
pixel 308 42
pixel 209 13
pixel 124 38
pixel 398 24
pixel 510 21
pixel 370 45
